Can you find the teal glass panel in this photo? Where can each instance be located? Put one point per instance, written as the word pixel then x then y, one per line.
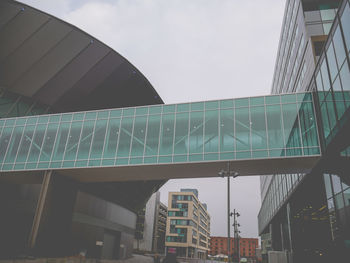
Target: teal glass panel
pixel 331 114
pixel 19 166
pixel 304 97
pixel 242 129
pixel 32 120
pixel 128 112
pixel 345 22
pixel 345 81
pixel 82 163
pixel 288 98
pixel 152 140
pixel 272 99
pixel 142 111
pixel 20 121
pixel 325 122
pixel 73 141
pixel 168 108
pixel 138 141
pixel 180 159
pixel 155 109
pixel 167 134
pixel 30 165
pixel 43 119
pixel 319 83
pixel 333 69
pixel 68 164
pixel 102 114
pixel 196 132
pixel 243 155
pixel 36 143
pixel 98 139
pixel 94 162
pixel 115 113
pixel 48 143
pixel 85 140
pixel 107 162
pixel 244 102
pixel 259 154
pixel 195 157
pixel 136 160
pixel 7 167
pixel 325 76
pixel 211 131
pixel 10 122
pixel 79 116
pixel 125 137
pixel 227 137
pixel 226 104
pixel 4 142
pixel 339 102
pixel 211 105
pixel 112 136
pixel 339 47
pixel 181 133
pixel 122 161
pixel 150 160
pixel 258 127
pixel 227 156
pixel 14 143
pixel 43 165
pixel 291 125
pixel 257 101
pixel 25 143
pixel 308 124
pixel 68 117
pixel 90 115
pixel 197 106
pixel 274 126
pixel 183 107
pixel 165 159
pixel 211 156
pixel 61 140
pixel 55 118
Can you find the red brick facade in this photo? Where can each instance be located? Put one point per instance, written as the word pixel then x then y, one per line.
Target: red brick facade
pixel 218 245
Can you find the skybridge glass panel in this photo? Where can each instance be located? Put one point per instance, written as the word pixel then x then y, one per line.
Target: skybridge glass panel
pixel 234 129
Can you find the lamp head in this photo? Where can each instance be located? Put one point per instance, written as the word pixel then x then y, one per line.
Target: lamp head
pixel 221 173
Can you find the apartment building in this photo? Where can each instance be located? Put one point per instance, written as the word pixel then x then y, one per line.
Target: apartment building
pixel 188 225
pixel 247 246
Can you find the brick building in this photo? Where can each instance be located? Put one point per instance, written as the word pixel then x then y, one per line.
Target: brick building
pixel 218 245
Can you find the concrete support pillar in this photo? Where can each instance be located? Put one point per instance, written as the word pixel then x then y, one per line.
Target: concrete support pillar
pixel 39 212
pixel 51 228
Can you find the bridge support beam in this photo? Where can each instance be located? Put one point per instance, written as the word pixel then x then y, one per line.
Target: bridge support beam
pixel 51 227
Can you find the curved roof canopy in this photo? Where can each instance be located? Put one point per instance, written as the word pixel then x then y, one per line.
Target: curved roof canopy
pixel 59 65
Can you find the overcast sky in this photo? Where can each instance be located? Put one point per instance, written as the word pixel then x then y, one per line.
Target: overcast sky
pixel 192 50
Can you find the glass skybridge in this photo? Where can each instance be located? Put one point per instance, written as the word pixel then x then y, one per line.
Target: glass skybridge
pixel 244 129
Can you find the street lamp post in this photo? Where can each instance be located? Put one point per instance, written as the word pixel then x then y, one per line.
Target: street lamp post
pixel 234 174
pixel 236 233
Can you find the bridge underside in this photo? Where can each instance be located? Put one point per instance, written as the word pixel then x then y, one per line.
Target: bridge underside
pixel 172 171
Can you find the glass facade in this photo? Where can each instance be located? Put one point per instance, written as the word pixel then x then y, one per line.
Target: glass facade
pixel 332 76
pixel 245 128
pixel 331 79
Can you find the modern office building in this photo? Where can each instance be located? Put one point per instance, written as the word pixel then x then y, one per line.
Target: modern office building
pixel 150 226
pixel 247 246
pixel 307 214
pixel 188 225
pixel 82 145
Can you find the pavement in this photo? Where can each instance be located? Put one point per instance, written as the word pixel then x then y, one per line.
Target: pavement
pixel 136 259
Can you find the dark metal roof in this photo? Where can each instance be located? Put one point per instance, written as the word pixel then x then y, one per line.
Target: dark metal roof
pixel 59 65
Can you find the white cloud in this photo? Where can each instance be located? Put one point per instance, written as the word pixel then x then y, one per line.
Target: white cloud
pixel 191 50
